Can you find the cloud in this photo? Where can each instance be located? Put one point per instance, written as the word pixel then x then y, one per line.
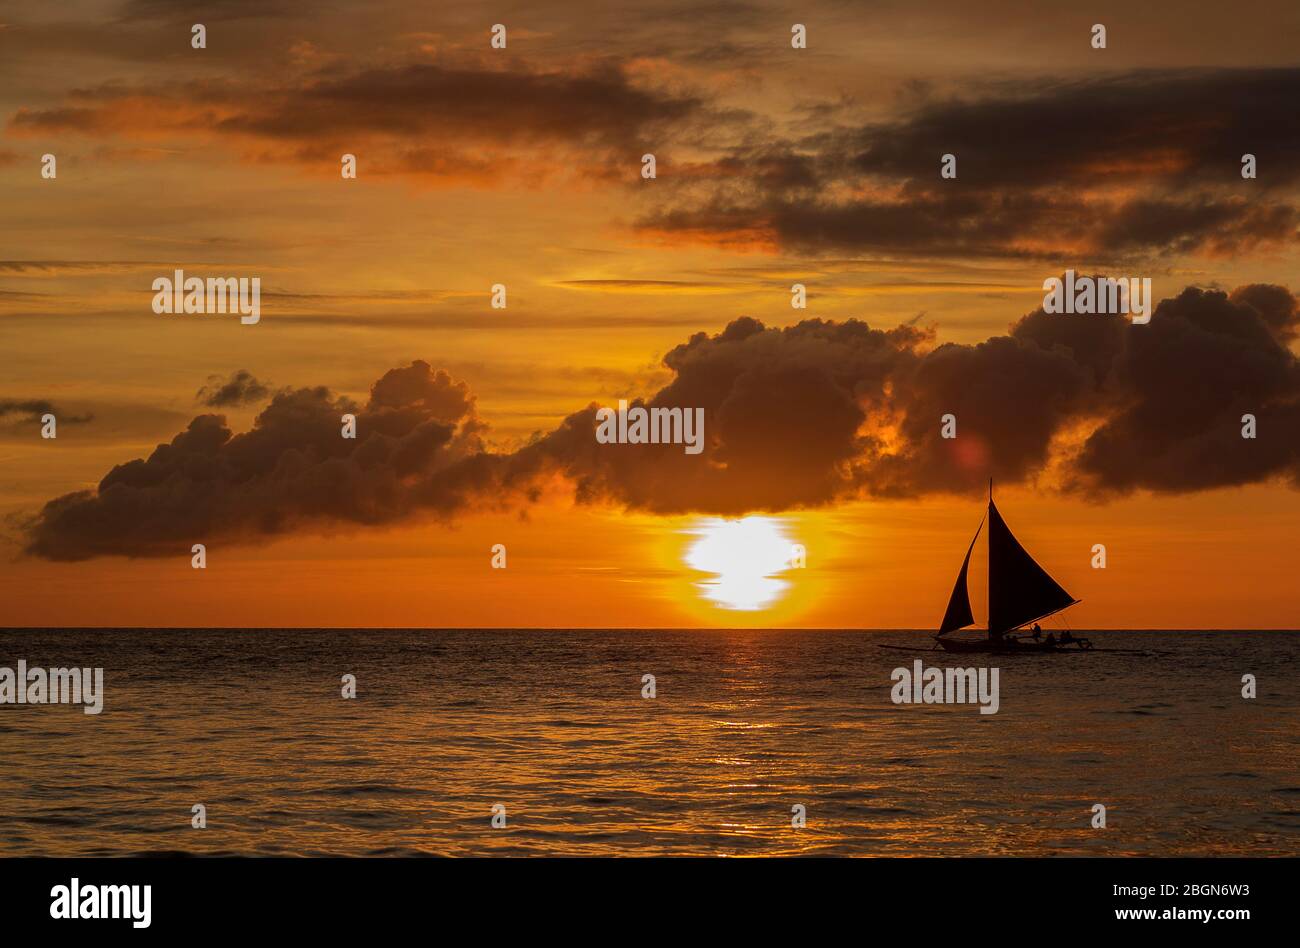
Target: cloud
pixel 31 409
pixel 291 470
pixel 1181 391
pixel 41 268
pixel 801 416
pixel 155 34
pixel 202 11
pixel 418 119
pixel 241 388
pixel 675 287
pixel 1122 166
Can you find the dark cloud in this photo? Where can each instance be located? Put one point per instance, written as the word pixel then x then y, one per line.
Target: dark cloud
pixel 31 409
pixel 155 34
pixel 418 118
pixel 1169 126
pixel 205 11
pixel 292 469
pixel 435 100
pixel 240 388
pixel 1182 389
pixel 795 417
pixel 1121 166
pixel 783 409
pixel 821 411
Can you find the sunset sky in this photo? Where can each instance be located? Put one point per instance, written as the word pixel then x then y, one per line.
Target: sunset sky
pixel 522 166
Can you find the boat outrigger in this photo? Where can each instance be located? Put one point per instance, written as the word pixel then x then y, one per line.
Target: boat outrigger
pixel 1020 592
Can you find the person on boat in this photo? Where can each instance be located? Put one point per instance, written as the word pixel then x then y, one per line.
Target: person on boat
pixel 1051 639
pixel 1038 631
pixel 1066 637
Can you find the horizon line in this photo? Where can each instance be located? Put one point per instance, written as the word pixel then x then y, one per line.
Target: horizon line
pixel 538 628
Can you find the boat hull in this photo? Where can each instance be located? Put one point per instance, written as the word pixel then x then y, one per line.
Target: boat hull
pixel 1012 647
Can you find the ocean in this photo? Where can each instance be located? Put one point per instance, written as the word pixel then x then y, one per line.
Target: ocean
pixel 552 726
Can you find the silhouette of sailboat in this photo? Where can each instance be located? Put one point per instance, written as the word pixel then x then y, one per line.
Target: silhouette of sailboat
pixel 1020 592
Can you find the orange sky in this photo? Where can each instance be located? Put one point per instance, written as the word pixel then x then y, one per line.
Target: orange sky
pixel 224 161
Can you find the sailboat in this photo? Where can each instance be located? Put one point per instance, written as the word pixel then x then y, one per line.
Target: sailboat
pixel 1020 592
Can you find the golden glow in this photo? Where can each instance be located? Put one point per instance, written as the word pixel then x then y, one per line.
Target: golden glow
pixel 744 557
pixel 365 275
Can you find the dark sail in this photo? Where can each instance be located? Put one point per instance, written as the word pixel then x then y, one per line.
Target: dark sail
pixel 958 615
pixel 1020 590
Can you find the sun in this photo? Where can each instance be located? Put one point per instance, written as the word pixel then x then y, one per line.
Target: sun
pixel 745 557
